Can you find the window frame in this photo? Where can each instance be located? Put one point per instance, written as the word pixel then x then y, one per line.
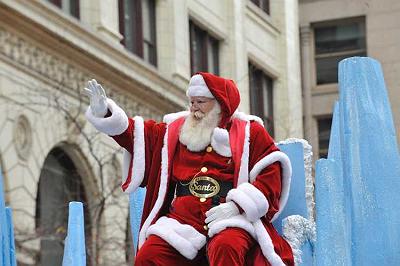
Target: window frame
pixel 327 138
pixel 264 5
pixel 207 41
pixel 137 31
pixel 72 12
pixel 346 53
pixel 259 84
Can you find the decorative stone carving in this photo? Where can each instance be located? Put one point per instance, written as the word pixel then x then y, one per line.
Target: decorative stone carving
pixel 69 78
pixel 23 137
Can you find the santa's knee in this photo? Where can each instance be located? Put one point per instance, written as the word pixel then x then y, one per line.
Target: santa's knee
pixel 221 244
pixel 144 256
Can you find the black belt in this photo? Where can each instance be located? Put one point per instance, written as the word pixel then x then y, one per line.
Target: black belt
pixel 186 189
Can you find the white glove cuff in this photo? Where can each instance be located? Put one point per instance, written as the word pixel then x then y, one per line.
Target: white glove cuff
pixel 113 125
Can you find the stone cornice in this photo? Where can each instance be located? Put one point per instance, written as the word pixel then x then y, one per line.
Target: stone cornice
pixel 108 61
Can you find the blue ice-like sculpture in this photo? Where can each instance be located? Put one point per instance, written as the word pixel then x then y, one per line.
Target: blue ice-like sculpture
pixel 136 200
pixel 357 187
pixel 75 249
pixel 7 244
pixel 296 217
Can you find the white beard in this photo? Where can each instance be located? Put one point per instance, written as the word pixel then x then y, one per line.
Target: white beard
pixel 196 133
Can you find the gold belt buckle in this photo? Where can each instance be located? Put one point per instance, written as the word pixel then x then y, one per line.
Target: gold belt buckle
pixel 204 187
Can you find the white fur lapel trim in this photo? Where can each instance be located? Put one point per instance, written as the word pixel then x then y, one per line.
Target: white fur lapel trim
pixel 139 162
pixel 161 191
pixel 113 125
pixel 184 238
pixel 220 142
pixel 244 164
pixel 169 118
pixel 246 117
pixel 276 156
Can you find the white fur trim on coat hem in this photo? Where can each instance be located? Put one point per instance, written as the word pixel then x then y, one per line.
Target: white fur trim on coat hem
pixel 276 156
pixel 250 199
pixel 267 247
pixel 238 221
pixel 256 230
pixel 113 125
pixel 139 162
pixel 184 238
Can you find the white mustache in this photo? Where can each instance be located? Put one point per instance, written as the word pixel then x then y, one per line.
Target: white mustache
pixel 199 115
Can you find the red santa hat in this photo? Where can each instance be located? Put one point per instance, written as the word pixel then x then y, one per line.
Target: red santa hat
pixel 223 90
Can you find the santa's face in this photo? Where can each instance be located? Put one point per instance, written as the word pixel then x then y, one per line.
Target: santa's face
pixel 199 125
pixel 200 106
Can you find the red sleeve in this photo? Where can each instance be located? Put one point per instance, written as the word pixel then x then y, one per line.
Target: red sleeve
pixel 269 179
pixel 152 133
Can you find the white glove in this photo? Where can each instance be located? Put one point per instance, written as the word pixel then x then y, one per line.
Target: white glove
pixel 221 212
pixel 98 98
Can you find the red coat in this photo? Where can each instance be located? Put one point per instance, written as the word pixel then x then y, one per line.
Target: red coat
pixel 260 187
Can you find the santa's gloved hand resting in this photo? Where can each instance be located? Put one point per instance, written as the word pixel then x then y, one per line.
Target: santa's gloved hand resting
pixel 98 98
pixel 221 212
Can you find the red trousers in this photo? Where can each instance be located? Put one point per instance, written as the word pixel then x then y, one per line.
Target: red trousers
pixel 229 247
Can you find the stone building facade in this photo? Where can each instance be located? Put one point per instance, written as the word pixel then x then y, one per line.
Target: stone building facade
pixel 143 52
pixel 335 29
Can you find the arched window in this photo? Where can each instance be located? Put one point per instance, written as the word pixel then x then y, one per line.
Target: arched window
pixel 59 183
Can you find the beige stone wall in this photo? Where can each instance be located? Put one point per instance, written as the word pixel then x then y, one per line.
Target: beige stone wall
pixel 383 43
pixel 45 53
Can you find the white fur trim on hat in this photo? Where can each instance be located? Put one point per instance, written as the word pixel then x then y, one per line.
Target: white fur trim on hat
pixel 250 199
pixel 276 156
pixel 184 238
pixel 198 87
pixel 113 125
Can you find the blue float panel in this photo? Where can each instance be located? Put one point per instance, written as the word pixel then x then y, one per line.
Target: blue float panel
pixel 75 249
pixel 136 201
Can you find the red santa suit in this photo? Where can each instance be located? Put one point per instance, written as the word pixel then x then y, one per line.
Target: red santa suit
pixel 241 152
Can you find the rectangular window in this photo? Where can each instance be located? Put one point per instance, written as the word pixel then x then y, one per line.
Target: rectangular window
pixel 263 4
pixel 334 41
pixel 68 6
pixel 324 132
pixel 261 97
pixel 204 51
pixel 137 24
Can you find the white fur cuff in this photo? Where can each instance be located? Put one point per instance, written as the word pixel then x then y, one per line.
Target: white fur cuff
pixel 238 221
pixel 250 199
pixel 184 238
pixel 114 125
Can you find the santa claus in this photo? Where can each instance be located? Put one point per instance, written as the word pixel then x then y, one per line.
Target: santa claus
pixel 215 179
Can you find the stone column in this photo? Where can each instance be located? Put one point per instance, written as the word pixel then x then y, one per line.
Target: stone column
pixel 306 72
